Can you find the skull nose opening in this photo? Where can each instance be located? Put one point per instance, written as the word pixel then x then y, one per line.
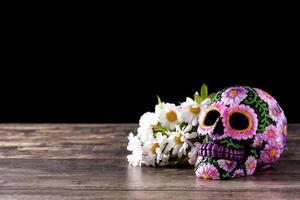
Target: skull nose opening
pixel 219 129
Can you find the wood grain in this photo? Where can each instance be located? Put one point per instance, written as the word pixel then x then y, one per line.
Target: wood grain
pixel 88 161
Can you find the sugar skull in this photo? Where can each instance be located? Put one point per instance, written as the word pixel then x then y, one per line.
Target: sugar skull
pixel 243 130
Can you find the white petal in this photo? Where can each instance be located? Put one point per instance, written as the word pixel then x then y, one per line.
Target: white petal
pixel 188 128
pixel 192 135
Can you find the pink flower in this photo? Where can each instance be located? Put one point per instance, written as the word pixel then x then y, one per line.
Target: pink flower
pixel 206 129
pixel 238 173
pixel 270 153
pixel 234 95
pixel 271 134
pixel 251 116
pixel 207 171
pixel 282 127
pixel 257 141
pixel 265 96
pixel 227 165
pixel 251 165
pixel 275 111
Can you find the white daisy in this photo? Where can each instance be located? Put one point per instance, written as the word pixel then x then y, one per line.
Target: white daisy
pixel 153 149
pixel 148 119
pixel 145 133
pixel 165 159
pixel 134 145
pixel 191 110
pixel 168 115
pixel 179 140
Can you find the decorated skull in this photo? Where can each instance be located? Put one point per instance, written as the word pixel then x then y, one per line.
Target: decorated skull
pixel 243 130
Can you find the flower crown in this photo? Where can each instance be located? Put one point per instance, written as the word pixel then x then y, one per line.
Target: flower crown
pixel 168 136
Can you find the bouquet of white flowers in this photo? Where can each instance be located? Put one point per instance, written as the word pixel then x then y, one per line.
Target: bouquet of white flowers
pixel 168 136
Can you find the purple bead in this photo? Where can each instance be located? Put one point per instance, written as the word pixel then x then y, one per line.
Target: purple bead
pixel 208 152
pixel 235 152
pixel 226 150
pixel 214 151
pixel 231 153
pixel 203 152
pixel 209 146
pixel 220 152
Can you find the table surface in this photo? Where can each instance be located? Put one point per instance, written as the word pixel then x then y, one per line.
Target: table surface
pixel 88 161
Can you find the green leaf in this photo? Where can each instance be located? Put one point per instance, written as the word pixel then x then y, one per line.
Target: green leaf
pixel 198 98
pixel 204 91
pixel 212 95
pixel 159 128
pixel 253 152
pixel 226 175
pixel 161 104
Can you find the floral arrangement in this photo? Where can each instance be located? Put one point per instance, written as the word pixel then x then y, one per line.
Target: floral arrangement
pixel 168 136
pixel 225 135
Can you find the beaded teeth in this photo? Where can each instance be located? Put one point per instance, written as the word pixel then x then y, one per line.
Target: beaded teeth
pixel 214 150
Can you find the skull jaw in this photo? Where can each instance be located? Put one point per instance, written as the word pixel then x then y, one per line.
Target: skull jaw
pixel 230 162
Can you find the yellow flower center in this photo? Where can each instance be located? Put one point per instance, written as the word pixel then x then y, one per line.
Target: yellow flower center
pixel 195 110
pixel 271 133
pixel 205 176
pixel 178 139
pixel 272 153
pixel 275 111
pixel 233 93
pixel 154 147
pixel 250 165
pixel 256 143
pixel 284 131
pixel 228 161
pixel 172 116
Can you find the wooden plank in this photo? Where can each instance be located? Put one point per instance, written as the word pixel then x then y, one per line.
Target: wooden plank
pixel 89 141
pixel 64 141
pixel 154 195
pixel 28 174
pixel 86 161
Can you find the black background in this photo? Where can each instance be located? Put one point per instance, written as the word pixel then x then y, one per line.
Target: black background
pixel 71 70
pixel 93 96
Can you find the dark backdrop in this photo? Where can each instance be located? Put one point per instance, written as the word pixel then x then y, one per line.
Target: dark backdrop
pixel 121 95
pixel 75 71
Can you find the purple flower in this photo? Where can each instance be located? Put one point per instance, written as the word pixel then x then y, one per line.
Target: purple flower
pixel 227 165
pixel 207 171
pixel 275 112
pixel 270 134
pixel 246 133
pixel 265 96
pixel 257 141
pixel 282 127
pixel 251 165
pixel 234 95
pixel 270 153
pixel 238 173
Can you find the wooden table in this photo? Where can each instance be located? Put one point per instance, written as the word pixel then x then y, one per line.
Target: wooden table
pixel 58 161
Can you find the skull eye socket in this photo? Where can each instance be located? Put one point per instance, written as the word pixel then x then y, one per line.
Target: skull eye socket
pixel 239 121
pixel 211 117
